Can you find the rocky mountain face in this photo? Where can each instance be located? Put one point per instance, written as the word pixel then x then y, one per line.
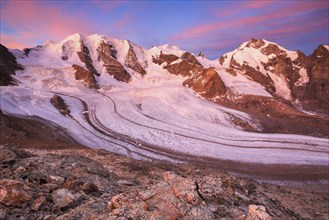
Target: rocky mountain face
pixel 8 66
pixel 94 184
pixel 107 54
pixel 86 76
pixel 204 81
pixel 317 90
pixel 57 178
pixel 285 74
pixel 290 78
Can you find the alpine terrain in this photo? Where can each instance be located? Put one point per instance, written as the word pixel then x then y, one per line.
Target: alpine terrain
pixel 182 120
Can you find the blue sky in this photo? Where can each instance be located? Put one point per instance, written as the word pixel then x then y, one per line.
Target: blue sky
pixel 213 27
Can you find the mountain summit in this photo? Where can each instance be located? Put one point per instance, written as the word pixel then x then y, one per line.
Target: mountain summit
pixel 166 102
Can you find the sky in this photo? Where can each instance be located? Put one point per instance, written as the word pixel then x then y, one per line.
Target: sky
pixel 212 27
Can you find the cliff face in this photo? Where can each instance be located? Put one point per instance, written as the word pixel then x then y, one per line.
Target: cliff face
pixel 113 67
pixel 8 66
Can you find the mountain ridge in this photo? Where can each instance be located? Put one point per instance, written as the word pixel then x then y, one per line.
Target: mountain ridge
pixel 247 89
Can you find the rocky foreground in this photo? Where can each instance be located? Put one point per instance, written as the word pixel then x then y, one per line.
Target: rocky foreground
pixel 95 184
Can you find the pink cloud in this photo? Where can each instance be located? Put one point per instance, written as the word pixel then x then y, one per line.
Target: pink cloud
pixel 12 41
pixel 122 22
pixel 37 19
pixel 267 18
pixel 256 4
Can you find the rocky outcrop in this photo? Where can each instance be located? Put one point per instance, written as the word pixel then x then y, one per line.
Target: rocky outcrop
pixel 298 78
pixel 84 56
pixel 184 68
pixel 317 90
pixel 8 66
pixel 112 66
pixel 132 62
pixel 60 104
pixel 86 76
pixel 52 185
pixel 208 84
pixel 164 58
pixel 201 54
pixel 204 81
pixel 257 213
pixel 190 58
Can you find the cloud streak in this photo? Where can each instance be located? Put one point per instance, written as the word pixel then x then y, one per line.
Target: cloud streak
pixel 268 18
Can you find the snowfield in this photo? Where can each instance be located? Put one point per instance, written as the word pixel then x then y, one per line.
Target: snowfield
pixel 152 117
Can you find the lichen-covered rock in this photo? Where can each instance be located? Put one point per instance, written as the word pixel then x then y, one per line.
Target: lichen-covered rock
pixel 112 66
pixel 14 193
pixel 257 213
pixel 184 189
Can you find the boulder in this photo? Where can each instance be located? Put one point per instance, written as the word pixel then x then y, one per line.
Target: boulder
pixel 59 103
pixel 257 213
pixel 7 156
pixel 184 189
pixel 14 193
pixel 62 198
pixel 38 203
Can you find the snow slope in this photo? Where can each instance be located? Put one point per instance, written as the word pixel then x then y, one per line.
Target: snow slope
pixel 153 116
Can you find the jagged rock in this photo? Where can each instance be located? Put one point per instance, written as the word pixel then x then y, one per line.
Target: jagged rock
pixel 62 198
pixel 7 156
pixel 86 76
pixel 272 49
pixel 165 58
pixel 56 179
pixel 317 90
pixel 255 43
pixel 3 214
pixel 132 62
pixel 8 66
pixel 14 193
pixel 257 213
pixel 201 55
pixel 208 84
pixel 190 58
pixel 60 104
pixel 184 68
pixel 89 187
pixel 84 56
pixel 38 203
pixel 184 189
pixel 113 67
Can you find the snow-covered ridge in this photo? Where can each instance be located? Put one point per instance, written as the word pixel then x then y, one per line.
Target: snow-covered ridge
pixel 154 115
